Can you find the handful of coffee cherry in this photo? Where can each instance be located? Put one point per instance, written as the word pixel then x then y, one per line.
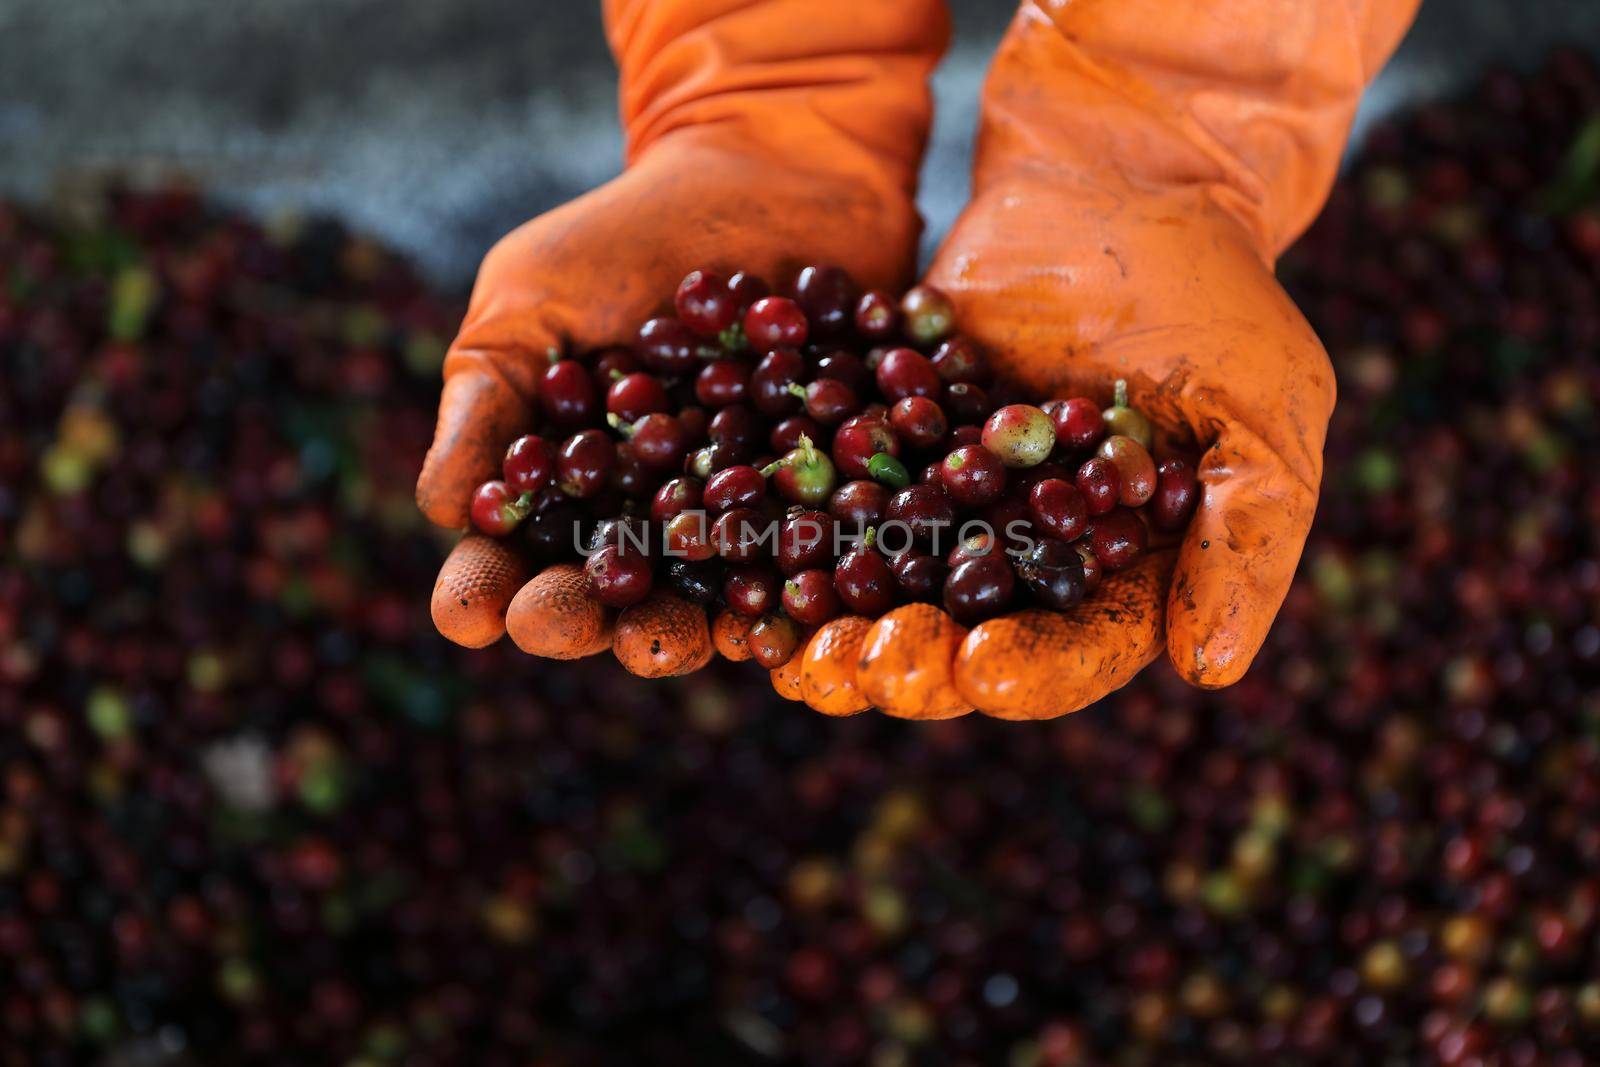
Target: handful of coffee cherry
pixel 793 458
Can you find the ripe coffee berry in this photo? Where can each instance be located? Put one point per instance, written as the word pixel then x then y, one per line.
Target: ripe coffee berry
pixel 845 366
pixel 1078 423
pixel 696 581
pixel 666 346
pixel 678 494
pixel 615 363
pixel 773 641
pixel 739 486
pixel 1093 569
pixel 1052 572
pixel 747 288
pixel 705 304
pixel 738 535
pixel 1025 480
pixel 966 435
pixel 859 504
pixel 770 383
pixel 1118 539
pixel 805 540
pixel 827 400
pixel 967 402
pixel 553 531
pixel 752 589
pixel 827 296
pixel 1177 493
pixel 704 462
pixel 786 435
pixel 722 382
pixel 877 316
pixel 926 511
pixel 1100 485
pixel 567 394
pixel 918 421
pixel 625 532
pixel 960 360
pixel 858 440
pixel 1011 520
pixel 618 577
pixel 979 589
pixel 688 536
pixel 633 396
pixel 694 420
pixel 973 476
pixel 919 576
pixel 1136 471
pixel 530 464
pixel 584 464
pixel 735 424
pixel 971 547
pixel 628 476
pixel 904 372
pixel 775 321
pixel 660 442
pixel 864 581
pixel 1058 509
pixel 497 509
pixel 809 597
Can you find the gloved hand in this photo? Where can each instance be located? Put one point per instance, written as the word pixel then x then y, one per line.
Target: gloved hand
pixel 1141 165
pixel 760 136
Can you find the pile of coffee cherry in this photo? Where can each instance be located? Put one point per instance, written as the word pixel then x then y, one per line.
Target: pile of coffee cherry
pixel 799 457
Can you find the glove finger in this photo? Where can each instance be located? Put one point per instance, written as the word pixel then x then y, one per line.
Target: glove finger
pixel 786 680
pixel 476 584
pixel 905 665
pixel 553 615
pixel 828 667
pixel 662 636
pixel 730 634
pixel 480 413
pixel 1041 664
pixel 1237 560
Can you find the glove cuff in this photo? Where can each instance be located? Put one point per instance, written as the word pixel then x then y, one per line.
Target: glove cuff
pixel 1249 102
pixel 835 85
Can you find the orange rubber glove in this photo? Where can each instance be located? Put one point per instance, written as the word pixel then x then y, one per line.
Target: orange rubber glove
pixel 761 135
pixel 1141 164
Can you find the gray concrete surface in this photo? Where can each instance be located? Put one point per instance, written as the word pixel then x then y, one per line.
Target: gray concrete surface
pixel 439 124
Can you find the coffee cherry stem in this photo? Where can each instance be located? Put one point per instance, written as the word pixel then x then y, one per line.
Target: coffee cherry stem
pixel 733 338
pixel 807 450
pixel 617 423
pixel 1119 393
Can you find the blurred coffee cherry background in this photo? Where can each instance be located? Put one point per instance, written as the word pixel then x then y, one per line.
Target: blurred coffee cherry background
pixel 253 811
